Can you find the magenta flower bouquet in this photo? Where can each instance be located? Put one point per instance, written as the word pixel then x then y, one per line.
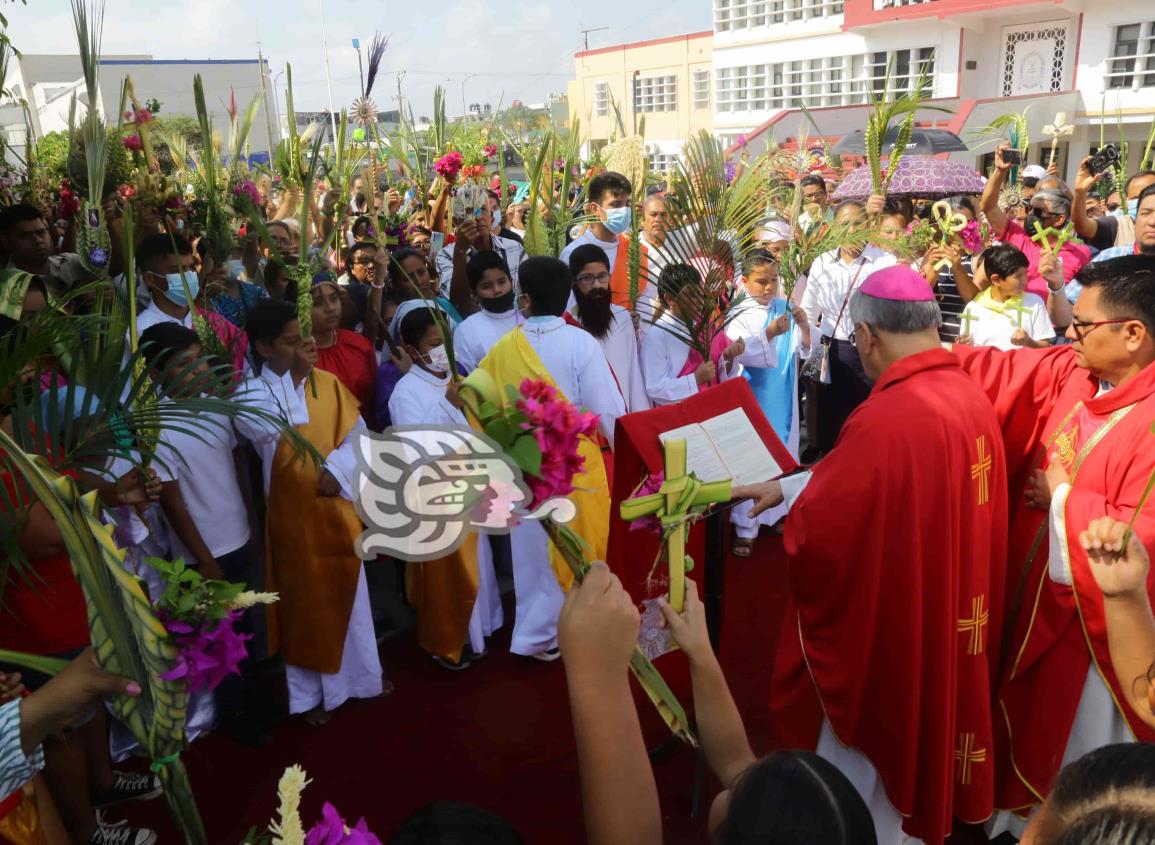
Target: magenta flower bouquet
pixel 449 165
pixel 201 616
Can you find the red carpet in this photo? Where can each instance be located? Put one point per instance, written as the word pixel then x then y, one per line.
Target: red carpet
pixel 497 735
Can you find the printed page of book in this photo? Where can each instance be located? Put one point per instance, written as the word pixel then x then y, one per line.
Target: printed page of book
pixel 702 458
pixel 745 456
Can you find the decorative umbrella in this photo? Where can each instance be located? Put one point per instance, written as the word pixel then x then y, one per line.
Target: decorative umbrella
pixel 922 142
pixel 918 177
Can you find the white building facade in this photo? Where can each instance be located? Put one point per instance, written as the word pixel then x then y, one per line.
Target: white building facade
pixel 1093 61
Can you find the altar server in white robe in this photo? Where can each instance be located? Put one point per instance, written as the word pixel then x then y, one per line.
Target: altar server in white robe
pixel 443 590
pixel 610 324
pixel 547 348
pixel 322 623
pixel 774 335
pixel 492 288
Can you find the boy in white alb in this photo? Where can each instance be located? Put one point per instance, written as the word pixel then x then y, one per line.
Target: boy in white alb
pixel 493 290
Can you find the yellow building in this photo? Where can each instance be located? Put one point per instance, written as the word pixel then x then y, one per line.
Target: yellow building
pixel 666 81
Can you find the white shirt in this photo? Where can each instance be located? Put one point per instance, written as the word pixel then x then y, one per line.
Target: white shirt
pixel 277 395
pixel 419 399
pixel 828 282
pixel 152 315
pixel 578 367
pixel 477 333
pixel 202 464
pixel 988 327
pixel 620 346
pixel 588 237
pixel 511 251
pixel 663 355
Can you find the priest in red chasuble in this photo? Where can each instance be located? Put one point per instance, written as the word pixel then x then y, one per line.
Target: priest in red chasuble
pixel 1076 421
pixel 897 545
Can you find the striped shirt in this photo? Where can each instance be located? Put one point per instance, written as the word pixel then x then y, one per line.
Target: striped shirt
pixel 15 769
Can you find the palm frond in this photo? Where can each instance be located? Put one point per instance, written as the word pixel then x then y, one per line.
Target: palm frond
pixel 240 129
pixel 376 53
pixel 127 635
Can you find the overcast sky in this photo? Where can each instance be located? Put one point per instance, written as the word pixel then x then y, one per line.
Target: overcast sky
pixel 519 50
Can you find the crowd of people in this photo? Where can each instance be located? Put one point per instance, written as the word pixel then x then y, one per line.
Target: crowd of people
pixel 969 632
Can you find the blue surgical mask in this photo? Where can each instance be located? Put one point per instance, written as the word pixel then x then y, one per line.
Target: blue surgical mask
pixel 1131 207
pixel 234 268
pixel 175 292
pixel 618 219
pixel 497 218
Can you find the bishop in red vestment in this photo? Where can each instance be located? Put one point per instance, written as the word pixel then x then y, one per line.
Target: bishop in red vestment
pixel 897 546
pixel 1077 425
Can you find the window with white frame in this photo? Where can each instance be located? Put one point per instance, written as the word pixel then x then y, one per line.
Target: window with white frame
pixel 601 99
pixel 655 93
pixel 730 15
pixel 1132 62
pixel 15 134
pixel 662 162
pixel 823 81
pixel 701 83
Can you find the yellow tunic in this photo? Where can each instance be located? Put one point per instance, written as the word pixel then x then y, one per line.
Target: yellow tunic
pixel 309 539
pixel 511 361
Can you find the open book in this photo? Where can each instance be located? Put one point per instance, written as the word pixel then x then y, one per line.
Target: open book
pixel 725 446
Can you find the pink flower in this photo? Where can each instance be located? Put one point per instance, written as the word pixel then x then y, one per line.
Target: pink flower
pixel 142 116
pixel 206 655
pixel 972 237
pixel 649 487
pixel 331 830
pixel 490 150
pixel 247 190
pixel 449 165
pixel 133 143
pixel 557 428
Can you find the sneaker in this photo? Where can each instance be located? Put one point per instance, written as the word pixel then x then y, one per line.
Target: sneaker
pixel 549 655
pixel 120 833
pixel 129 786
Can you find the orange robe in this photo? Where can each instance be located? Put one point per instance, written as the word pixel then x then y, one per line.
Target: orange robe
pixel 309 539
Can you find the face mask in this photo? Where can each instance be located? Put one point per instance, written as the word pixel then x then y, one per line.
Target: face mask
pixel 618 219
pixel 438 359
pixel 499 304
pixel 497 219
pixel 175 292
pixel 1131 208
pixel 234 268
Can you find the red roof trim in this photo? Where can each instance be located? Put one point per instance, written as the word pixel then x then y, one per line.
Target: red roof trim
pixel 709 33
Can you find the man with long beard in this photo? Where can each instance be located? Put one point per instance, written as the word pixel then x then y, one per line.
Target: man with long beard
pixel 610 324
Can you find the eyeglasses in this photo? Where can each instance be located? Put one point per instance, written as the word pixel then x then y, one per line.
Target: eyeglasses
pixel 1082 328
pixel 854 334
pixel 589 279
pixel 365 262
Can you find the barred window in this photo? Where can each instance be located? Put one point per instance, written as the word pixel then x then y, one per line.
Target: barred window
pixel 656 93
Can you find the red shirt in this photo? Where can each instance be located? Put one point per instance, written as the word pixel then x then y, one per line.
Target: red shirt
pixel 353 361
pixel 42 611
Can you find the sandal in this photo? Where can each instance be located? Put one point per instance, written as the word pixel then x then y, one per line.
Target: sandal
pixel 742 547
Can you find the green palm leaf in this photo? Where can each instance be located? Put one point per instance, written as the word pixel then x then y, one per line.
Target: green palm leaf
pixel 126 634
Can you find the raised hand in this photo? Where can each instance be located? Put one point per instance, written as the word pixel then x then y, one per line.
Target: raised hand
pixel 780 325
pixel 1119 570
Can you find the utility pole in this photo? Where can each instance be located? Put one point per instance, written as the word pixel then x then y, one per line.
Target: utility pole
pixel 328 75
pixel 360 68
pixel 586 33
pixel 265 100
pixel 400 98
pixel 464 111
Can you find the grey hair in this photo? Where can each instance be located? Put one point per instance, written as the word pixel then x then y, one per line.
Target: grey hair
pixel 891 315
pixel 1060 203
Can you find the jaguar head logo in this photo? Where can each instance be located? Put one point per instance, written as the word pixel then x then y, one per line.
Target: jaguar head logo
pixel 423 489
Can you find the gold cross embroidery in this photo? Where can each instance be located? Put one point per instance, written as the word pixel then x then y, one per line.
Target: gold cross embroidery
pixel 1066 446
pixel 974 626
pixel 981 471
pixel 966 756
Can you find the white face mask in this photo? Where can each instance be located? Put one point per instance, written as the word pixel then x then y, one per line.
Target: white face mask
pixel 438 359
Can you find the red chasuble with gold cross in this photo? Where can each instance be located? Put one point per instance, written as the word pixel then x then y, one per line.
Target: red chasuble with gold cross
pixel 897 547
pixel 1050 409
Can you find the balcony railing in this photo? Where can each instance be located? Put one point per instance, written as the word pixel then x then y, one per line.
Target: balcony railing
pixel 1133 71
